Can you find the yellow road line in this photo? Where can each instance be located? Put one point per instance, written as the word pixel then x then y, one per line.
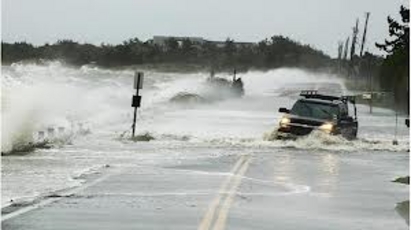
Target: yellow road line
pixel 222 215
pixel 206 222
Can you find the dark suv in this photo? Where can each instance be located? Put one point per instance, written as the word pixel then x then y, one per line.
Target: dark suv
pixel 319 112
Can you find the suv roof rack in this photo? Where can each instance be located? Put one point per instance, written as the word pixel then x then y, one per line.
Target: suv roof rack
pixel 314 95
pixel 308 92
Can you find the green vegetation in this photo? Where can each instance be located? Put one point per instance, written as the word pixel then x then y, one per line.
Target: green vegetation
pixel 277 51
pixel 402 180
pixel 395 69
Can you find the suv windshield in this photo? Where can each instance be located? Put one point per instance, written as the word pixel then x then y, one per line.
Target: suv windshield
pixel 314 110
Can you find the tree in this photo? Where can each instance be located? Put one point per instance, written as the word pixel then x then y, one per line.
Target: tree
pixel 171 44
pixel 394 74
pixel 229 47
pixel 186 46
pixel 400 33
pixel 18 51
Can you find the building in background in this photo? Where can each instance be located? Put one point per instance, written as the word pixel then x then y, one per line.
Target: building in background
pixel 197 42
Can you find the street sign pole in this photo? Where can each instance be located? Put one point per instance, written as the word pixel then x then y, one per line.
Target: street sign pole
pixel 136 101
pixel 134 119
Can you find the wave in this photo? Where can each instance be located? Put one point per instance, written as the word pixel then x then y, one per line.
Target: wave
pixel 315 141
pixel 42 100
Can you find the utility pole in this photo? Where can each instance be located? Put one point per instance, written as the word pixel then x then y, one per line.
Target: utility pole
pixel 354 40
pixel 136 101
pixel 340 49
pixel 345 57
pixel 340 56
pixel 367 15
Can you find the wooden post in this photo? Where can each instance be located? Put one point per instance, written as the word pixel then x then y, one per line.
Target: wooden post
pixel 371 103
pixel 370 77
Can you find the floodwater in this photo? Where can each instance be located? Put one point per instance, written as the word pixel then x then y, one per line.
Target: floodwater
pixel 87 114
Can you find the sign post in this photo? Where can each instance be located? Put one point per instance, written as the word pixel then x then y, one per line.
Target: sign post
pixel 368 97
pixel 136 101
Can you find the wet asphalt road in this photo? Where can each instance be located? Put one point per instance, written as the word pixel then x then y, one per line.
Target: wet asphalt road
pixel 250 188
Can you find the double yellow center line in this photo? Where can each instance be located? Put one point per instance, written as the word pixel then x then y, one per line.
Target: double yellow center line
pixel 227 191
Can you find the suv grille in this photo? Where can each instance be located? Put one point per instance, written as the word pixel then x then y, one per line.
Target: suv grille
pixel 297 130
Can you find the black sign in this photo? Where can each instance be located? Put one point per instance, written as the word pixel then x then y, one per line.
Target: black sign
pixel 136 101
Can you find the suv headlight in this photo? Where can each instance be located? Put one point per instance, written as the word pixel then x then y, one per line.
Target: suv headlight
pixel 284 122
pixel 326 127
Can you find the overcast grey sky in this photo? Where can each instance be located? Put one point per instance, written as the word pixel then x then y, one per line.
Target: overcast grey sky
pixel 320 23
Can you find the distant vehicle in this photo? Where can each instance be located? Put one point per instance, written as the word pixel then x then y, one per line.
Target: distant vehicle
pixel 227 88
pixel 314 111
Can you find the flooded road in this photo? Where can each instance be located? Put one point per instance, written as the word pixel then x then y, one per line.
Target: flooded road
pixel 210 165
